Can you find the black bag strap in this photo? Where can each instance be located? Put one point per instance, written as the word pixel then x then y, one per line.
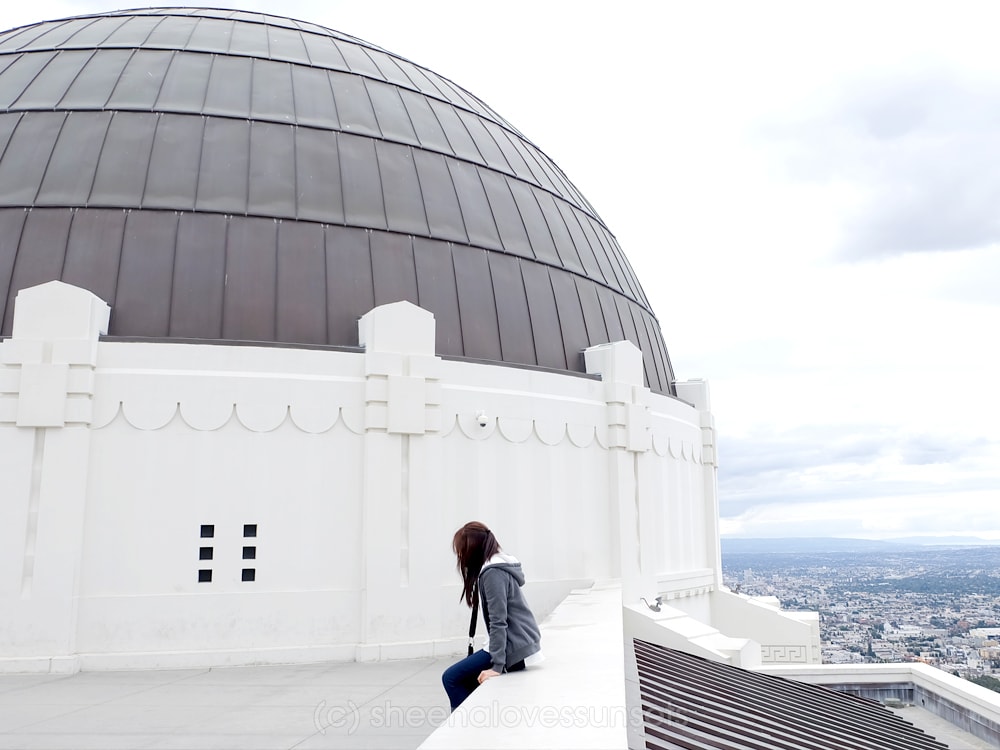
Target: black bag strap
pixel 475 615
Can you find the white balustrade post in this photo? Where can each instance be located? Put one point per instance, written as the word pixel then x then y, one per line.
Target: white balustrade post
pixel 696 393
pixel 402 408
pixel 46 399
pixel 620 365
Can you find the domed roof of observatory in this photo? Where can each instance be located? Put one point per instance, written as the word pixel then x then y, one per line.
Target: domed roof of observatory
pixel 226 176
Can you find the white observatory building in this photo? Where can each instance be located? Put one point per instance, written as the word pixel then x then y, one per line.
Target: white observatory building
pixel 280 310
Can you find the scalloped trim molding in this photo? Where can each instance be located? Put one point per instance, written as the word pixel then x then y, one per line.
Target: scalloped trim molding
pixel 153 416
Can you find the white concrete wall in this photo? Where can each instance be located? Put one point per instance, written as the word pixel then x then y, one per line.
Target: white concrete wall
pixel 356 469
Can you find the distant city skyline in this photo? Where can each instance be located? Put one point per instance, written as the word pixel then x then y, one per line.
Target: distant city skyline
pixel 807 194
pixel 929 604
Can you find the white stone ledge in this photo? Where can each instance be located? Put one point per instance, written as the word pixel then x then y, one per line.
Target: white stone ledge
pixel 575 699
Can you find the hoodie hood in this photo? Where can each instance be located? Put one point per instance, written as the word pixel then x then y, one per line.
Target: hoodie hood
pixel 506 562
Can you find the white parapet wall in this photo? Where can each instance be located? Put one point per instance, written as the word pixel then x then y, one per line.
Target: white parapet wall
pixel 175 504
pixel 970 707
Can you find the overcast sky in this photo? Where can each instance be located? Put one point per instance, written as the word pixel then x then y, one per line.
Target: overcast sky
pixel 810 195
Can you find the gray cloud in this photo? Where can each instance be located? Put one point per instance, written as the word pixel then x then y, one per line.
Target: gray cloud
pixel 919 148
pixel 784 467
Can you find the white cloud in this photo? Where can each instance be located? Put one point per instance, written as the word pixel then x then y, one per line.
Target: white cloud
pixel 875 517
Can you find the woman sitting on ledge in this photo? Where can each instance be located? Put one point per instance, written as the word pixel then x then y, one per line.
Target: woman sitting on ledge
pixel 495 579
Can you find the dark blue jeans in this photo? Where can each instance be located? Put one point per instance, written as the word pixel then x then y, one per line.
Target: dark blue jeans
pixel 461 678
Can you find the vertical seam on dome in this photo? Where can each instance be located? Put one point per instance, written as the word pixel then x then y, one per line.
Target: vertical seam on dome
pixel 107 36
pixel 118 264
pixel 208 80
pixel 642 331
pixel 69 22
pixel 173 274
pixel 444 132
pixel 612 254
pixel 232 28
pixel 149 157
pixel 572 242
pixel 503 154
pixel 665 356
pixel 149 33
pixel 568 214
pixel 65 242
pixel 126 20
pixel 381 188
pixel 423 200
pixel 250 122
pixel 548 228
pixel 661 372
pixel 23 55
pixel 100 153
pixel 22 31
pixel 406 75
pixel 590 235
pixel 194 26
pixel 616 273
pixel 371 266
pixel 430 79
pixel 486 196
pixel 295 144
pixel 586 332
pixel 277 277
pixel 340 178
pixel 371 103
pixel 225 278
pixel 638 343
pixel 295 168
pixel 333 98
pixel 208 83
pixel 630 278
pixel 472 139
pixel 594 337
pixel 532 152
pixel 48 161
pixel 604 301
pixel 305 48
pixel 516 147
pixel 527 305
pixel 75 77
pixel 326 283
pixel 409 118
pixel 197 171
pixel 559 321
pixel 20 235
pixel 458 305
pixel 118 267
pixel 364 51
pixel 517 208
pixel 10 138
pixel 454 190
pixel 118 80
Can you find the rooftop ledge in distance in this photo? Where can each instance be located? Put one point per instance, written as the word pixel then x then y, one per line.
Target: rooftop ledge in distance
pixel 965 706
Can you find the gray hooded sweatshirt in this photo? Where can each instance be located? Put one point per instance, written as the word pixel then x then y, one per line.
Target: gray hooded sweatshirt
pixel 514 634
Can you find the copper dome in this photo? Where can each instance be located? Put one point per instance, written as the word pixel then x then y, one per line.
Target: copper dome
pixel 230 176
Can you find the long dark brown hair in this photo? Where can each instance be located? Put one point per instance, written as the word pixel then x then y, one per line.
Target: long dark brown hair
pixel 474 544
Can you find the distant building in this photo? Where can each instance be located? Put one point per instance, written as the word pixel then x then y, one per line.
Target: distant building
pixel 985 634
